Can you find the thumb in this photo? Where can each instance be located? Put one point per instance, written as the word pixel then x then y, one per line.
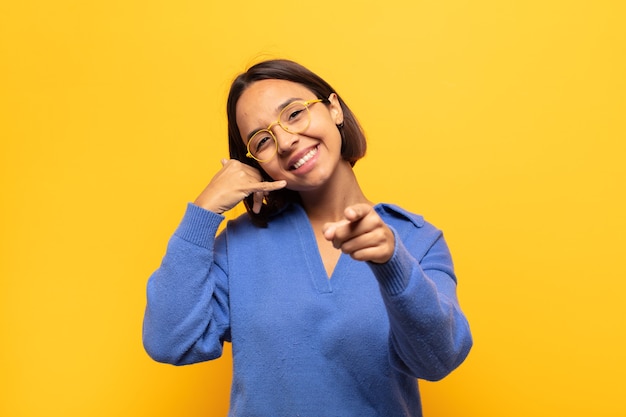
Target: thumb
pixel 357 212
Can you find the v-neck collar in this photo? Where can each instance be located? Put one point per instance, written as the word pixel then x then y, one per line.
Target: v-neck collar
pixel 312 255
pixel 313 258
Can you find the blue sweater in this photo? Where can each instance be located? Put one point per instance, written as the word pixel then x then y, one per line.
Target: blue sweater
pixel 305 345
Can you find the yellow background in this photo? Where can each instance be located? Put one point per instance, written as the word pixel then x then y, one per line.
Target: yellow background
pixel 503 122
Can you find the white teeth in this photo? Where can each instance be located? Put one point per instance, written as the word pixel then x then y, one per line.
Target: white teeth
pixel 305 158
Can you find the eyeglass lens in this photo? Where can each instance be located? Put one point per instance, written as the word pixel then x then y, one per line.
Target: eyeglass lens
pixel 294 118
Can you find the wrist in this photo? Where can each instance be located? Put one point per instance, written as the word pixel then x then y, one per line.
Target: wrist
pixel 208 205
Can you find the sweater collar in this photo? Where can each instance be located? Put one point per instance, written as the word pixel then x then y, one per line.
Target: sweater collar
pixel 383 210
pixel 396 211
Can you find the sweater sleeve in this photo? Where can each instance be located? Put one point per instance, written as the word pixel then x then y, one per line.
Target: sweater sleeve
pixel 187 317
pixel 429 334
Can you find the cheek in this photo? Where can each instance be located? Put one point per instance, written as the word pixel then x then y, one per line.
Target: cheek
pixel 272 170
pixel 333 138
pixel 326 131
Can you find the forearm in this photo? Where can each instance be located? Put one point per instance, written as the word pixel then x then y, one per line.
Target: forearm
pixel 186 314
pixel 429 335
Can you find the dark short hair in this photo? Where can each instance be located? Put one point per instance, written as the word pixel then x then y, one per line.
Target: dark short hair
pixel 353 145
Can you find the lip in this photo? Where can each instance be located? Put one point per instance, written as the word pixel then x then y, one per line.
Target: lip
pixel 298 156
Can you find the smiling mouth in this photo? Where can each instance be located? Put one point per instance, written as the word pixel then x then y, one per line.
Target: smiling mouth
pixel 304 159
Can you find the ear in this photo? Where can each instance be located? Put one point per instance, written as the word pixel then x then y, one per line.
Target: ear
pixel 335 108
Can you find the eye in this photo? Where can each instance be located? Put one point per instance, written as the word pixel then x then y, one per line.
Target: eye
pixel 261 141
pixel 293 115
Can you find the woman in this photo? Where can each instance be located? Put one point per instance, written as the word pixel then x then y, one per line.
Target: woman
pixel 334 306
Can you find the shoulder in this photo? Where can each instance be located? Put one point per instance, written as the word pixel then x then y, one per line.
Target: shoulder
pixel 411 228
pixel 400 218
pixel 395 213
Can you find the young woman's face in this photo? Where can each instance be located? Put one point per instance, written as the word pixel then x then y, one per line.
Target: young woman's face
pixel 305 160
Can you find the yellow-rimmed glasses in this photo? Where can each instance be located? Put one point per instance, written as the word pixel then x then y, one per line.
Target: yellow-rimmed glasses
pixel 295 118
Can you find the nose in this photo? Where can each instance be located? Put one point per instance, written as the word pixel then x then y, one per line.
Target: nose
pixel 286 141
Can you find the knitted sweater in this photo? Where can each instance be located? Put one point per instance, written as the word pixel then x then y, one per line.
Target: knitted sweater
pixel 303 344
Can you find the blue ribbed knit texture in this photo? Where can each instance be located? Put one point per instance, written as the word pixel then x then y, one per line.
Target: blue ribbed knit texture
pixel 305 344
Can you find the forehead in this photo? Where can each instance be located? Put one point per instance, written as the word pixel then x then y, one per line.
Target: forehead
pixel 263 98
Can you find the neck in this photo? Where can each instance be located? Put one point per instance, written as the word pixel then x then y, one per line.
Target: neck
pixel 327 203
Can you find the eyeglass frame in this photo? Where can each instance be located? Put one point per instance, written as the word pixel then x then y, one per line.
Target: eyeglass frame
pixel 268 129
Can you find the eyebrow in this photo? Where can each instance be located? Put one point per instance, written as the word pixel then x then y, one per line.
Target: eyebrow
pixel 278 110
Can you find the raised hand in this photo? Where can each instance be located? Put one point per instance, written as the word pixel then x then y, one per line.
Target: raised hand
pixel 362 234
pixel 234 182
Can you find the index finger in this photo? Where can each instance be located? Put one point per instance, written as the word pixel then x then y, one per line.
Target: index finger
pixel 267 186
pixel 328 230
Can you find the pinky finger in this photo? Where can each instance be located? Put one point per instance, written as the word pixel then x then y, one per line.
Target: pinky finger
pixel 258 201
